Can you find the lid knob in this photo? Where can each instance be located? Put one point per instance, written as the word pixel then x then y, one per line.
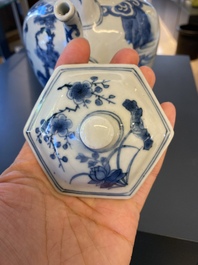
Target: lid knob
pixel 99 131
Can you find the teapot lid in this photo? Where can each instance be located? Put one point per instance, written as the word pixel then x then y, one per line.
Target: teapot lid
pixel 97 130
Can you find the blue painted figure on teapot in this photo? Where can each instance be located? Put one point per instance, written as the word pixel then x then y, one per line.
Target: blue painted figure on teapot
pixel 108 25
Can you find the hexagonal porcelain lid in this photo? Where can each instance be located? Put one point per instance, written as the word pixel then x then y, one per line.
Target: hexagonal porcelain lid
pixel 97 130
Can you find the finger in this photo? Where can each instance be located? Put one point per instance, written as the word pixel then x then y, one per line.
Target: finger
pixel 130 56
pixel 170 112
pixel 149 75
pixel 142 193
pixel 76 51
pixel 126 56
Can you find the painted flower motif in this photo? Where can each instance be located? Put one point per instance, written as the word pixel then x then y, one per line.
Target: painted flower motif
pixel 130 105
pixel 137 125
pixel 60 125
pixel 79 91
pixel 97 174
pixel 148 142
pixel 136 114
pixel 115 177
pixel 106 177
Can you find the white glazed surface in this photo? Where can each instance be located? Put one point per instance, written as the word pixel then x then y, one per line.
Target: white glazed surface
pixel 118 98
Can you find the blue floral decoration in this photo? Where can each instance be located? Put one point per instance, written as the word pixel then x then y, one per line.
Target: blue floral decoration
pixel 137 125
pixel 100 172
pixel 101 175
pixel 82 92
pixel 79 92
pixel 56 125
pixel 57 134
pixel 60 125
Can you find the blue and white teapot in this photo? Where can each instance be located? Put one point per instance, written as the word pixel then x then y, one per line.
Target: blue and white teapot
pixel 108 25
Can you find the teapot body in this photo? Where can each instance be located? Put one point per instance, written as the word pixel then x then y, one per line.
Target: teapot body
pixel 108 25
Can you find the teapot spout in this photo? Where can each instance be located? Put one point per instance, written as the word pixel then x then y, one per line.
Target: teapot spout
pixel 66 12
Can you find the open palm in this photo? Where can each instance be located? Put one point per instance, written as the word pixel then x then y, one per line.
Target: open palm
pixel 40 226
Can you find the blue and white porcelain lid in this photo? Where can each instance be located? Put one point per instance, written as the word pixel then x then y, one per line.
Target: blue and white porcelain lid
pixel 97 130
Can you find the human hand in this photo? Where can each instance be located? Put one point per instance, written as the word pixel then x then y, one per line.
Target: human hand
pixel 40 226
